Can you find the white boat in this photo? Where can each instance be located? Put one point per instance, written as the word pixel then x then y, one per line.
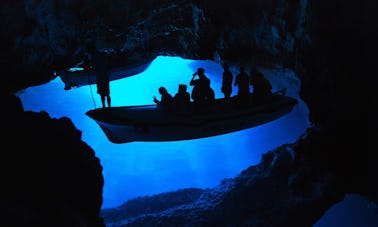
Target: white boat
pixel 79 76
pixel 152 123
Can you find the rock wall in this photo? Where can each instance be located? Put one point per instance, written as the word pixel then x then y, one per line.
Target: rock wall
pixel 50 177
pixel 339 75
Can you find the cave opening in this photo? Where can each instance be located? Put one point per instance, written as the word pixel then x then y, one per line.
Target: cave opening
pixel 145 168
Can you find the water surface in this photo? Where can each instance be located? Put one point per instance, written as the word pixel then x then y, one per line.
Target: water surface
pixel 146 168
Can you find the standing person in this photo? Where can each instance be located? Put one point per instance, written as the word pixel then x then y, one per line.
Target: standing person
pixel 100 63
pixel 202 93
pixel 242 81
pixel 227 79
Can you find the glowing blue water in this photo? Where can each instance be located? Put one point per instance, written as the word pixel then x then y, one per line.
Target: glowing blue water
pixel 141 168
pixel 353 211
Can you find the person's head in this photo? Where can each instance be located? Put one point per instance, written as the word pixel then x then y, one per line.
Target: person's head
pixel 255 70
pixel 182 88
pixel 241 69
pixel 91 47
pixel 225 66
pixel 162 90
pixel 200 71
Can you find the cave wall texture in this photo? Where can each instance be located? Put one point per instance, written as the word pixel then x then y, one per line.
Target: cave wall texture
pixel 52 177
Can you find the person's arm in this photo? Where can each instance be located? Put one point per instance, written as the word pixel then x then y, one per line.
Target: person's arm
pixel 192 81
pixel 155 100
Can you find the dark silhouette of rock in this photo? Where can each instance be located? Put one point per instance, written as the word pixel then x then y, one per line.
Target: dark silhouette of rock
pixel 49 175
pixel 147 205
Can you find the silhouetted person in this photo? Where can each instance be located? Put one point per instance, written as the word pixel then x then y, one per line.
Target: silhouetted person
pixel 181 100
pixel 202 93
pixel 100 64
pixel 166 98
pixel 242 81
pixel 262 88
pixel 227 79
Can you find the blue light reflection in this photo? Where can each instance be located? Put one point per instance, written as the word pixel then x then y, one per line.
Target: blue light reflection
pixel 146 168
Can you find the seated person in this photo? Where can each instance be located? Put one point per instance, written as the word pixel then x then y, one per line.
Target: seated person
pixel 261 86
pixel 181 100
pixel 166 99
pixel 202 93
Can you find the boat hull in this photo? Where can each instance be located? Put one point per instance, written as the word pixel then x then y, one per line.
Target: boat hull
pixel 151 123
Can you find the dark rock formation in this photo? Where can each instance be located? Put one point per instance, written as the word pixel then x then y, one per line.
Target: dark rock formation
pixel 331 45
pixel 50 177
pixel 142 206
pixel 338 84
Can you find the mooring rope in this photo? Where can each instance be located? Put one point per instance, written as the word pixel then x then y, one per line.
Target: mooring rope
pixel 90 88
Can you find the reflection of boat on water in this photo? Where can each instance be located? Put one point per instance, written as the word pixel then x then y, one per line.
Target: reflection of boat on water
pixel 76 77
pixel 152 123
